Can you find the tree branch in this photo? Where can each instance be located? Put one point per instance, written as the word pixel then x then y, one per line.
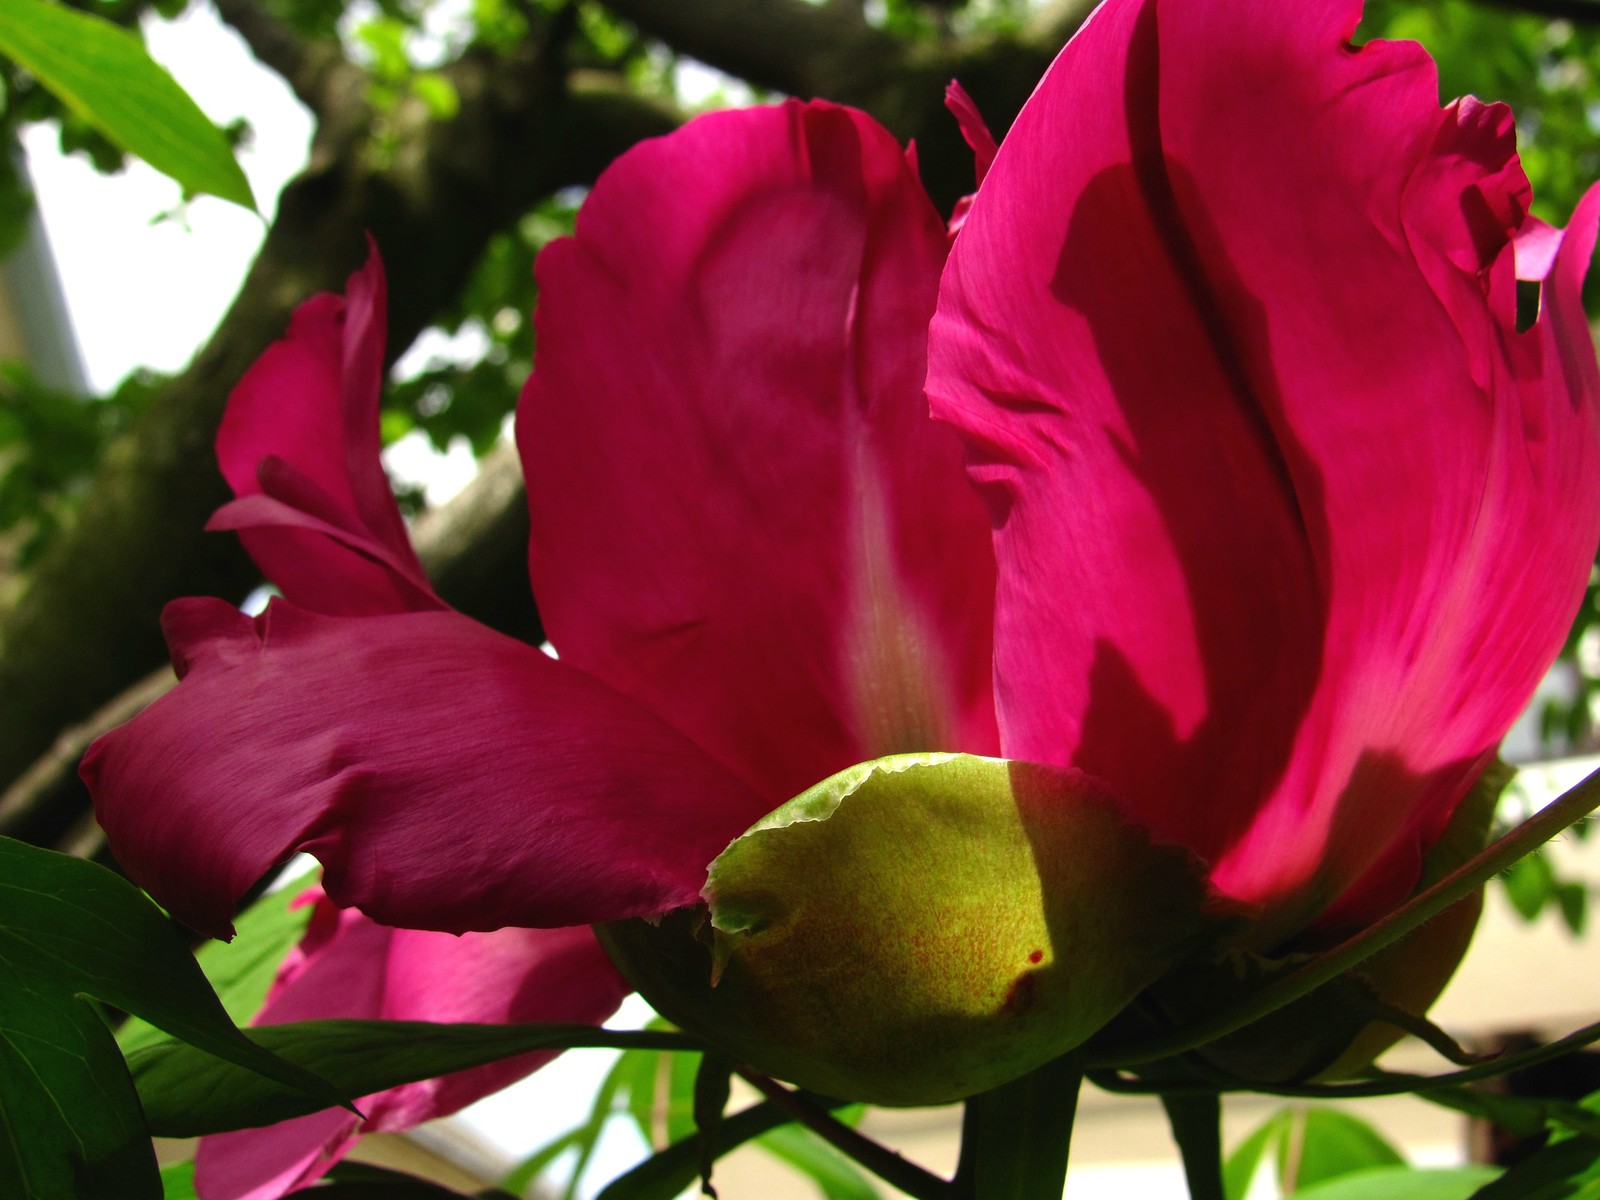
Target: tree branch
pixel 1584 11
pixel 809 50
pixel 305 65
pixel 84 623
pixel 786 45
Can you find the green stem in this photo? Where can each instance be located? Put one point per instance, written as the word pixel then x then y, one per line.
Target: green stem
pixel 668 1172
pixel 1421 908
pixel 1015 1139
pixel 1384 1084
pixel 1196 1121
pixel 883 1162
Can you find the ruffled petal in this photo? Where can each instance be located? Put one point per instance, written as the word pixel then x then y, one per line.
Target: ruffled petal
pixel 1230 336
pixel 347 966
pixel 975 132
pixel 301 430
pixel 448 777
pixel 745 520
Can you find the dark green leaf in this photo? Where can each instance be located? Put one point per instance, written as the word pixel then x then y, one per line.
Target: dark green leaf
pixel 68 1113
pixel 187 1093
pixel 1566 1170
pixel 103 74
pixel 1528 883
pixel 78 928
pixel 70 930
pixel 1527 1116
pixel 1573 899
pixel 242 970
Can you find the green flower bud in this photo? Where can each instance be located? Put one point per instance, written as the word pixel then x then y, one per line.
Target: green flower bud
pixel 921 928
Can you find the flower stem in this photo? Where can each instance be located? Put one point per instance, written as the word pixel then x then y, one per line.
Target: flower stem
pixel 1425 905
pixel 1383 1083
pixel 883 1162
pixel 1015 1138
pixel 1196 1121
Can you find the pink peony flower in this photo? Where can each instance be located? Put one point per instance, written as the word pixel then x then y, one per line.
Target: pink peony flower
pixel 1274 518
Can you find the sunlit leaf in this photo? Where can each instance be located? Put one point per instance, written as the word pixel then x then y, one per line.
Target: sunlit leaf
pixel 1404 1183
pixel 103 74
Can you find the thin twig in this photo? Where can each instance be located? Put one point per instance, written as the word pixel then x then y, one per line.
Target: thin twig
pixel 883 1162
pixel 1379 1085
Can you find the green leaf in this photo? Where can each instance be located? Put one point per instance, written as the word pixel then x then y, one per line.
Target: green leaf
pixel 1404 1183
pixel 177 1182
pixel 660 1094
pixel 77 927
pixel 104 75
pixel 1527 1116
pixel 529 1169
pixel 1573 899
pixel 1323 1143
pixel 241 971
pixel 1528 884
pixel 68 1112
pixel 836 1177
pixel 188 1093
pixel 1567 1170
pixel 70 930
pixel 603 1109
pixel 1239 1170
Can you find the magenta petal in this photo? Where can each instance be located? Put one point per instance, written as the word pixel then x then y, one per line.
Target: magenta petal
pixel 1270 469
pixel 348 966
pixel 447 777
pixel 301 428
pixel 745 520
pixel 974 130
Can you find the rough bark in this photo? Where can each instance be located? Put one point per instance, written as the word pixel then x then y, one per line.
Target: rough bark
pixel 831 51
